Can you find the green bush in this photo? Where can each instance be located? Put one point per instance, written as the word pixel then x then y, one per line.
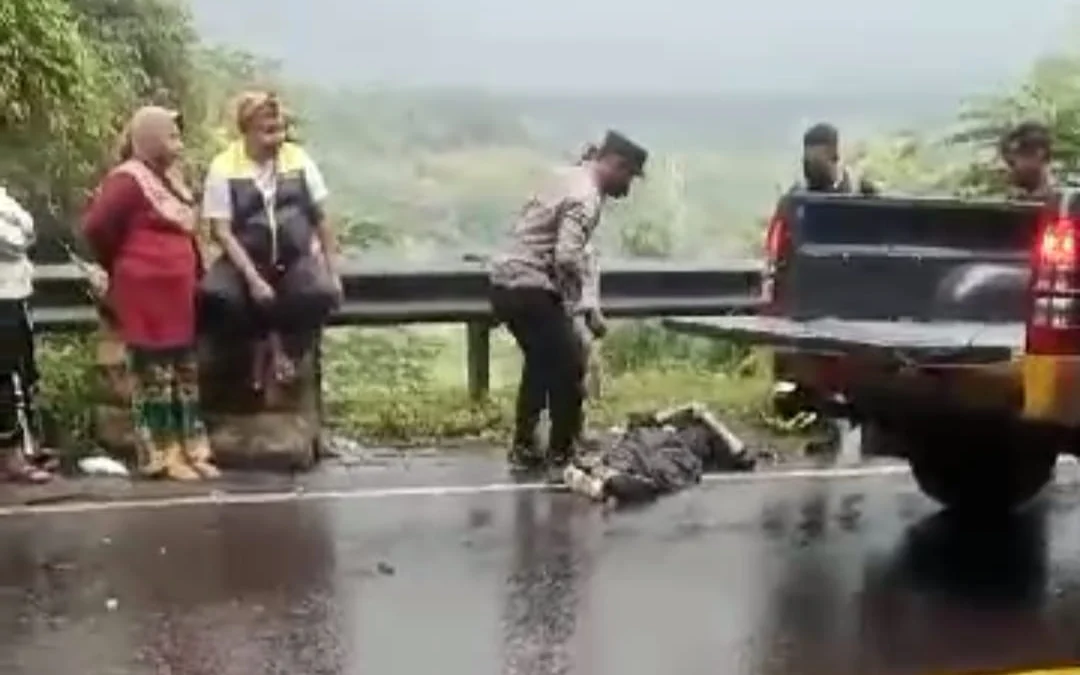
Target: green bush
pixel 636 345
pixel 66 391
pixel 413 416
pixel 407 385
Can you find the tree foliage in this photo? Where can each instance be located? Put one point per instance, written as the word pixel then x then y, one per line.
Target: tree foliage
pixel 71 71
pixel 964 159
pixel 54 100
pixel 46 67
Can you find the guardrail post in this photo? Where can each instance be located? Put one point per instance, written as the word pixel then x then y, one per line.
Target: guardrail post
pixel 478 336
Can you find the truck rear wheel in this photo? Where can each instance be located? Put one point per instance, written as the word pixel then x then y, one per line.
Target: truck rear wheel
pixel 979 472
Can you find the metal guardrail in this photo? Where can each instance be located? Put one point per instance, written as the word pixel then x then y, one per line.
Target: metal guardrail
pixel 380 294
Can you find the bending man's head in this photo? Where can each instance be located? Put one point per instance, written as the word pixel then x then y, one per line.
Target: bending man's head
pixel 618 161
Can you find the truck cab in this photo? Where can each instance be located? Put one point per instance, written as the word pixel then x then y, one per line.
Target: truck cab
pixel 948 329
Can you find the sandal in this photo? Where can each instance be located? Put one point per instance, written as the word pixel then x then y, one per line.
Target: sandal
pixel 24 472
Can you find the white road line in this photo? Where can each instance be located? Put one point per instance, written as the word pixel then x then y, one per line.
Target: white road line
pixel 224 498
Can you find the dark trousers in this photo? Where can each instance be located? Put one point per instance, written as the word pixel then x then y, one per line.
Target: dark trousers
pixel 304 302
pixel 18 373
pixel 553 366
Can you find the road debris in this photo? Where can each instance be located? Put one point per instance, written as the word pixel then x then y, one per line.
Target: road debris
pixel 100 465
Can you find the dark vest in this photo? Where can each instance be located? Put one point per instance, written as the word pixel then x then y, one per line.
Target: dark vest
pixel 849 183
pixel 276 233
pixel 1043 192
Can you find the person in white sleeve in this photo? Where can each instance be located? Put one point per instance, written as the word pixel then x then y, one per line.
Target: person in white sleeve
pixel 22 461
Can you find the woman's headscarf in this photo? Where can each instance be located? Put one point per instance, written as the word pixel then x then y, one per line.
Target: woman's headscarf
pixel 140 143
pixel 145 132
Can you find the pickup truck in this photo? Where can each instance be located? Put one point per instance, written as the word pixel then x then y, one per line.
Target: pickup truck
pixel 948 329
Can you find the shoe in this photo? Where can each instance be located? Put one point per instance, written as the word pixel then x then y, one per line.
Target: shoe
pixel 525 458
pixel 176 464
pixel 18 469
pixel 560 459
pixel 198 455
pixel 151 460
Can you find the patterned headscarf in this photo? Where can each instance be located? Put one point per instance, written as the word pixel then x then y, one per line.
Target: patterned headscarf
pixel 254 104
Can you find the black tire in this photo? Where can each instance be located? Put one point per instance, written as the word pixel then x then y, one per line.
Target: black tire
pixel 878 441
pixel 979 472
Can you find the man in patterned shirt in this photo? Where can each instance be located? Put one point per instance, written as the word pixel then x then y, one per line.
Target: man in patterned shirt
pixel 537 283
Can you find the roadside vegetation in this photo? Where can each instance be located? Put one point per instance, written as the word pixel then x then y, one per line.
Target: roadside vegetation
pixel 418 174
pixel 415 387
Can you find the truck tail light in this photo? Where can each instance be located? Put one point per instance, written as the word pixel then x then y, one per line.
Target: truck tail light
pixel 1054 318
pixel 777 242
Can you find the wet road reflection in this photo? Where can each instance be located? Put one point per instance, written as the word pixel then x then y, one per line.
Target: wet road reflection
pixel 543 607
pixel 785 578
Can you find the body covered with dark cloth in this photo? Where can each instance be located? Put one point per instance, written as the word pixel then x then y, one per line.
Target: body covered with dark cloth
pixel 659 454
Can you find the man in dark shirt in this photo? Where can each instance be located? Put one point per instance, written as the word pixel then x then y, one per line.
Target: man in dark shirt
pixel 821 167
pixel 1026 151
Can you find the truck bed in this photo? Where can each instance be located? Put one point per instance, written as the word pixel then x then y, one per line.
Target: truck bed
pixel 889 259
pixel 904 280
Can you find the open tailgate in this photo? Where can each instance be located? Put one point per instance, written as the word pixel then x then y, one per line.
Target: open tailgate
pixel 907 342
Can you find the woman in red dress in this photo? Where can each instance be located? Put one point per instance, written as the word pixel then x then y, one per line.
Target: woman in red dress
pixel 141 227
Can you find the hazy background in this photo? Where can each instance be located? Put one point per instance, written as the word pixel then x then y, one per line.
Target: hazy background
pixel 434 118
pixel 686 46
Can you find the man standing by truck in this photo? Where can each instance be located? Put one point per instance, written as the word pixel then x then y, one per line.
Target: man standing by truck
pixel 822 171
pixel 821 167
pixel 1026 150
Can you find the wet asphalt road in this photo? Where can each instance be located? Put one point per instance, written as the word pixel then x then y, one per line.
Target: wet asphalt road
pixel 785 577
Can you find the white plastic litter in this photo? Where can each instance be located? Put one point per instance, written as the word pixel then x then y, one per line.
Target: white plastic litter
pixel 102 466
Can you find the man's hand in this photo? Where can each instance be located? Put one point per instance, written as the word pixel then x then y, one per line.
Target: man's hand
pixel 261 292
pixel 596 323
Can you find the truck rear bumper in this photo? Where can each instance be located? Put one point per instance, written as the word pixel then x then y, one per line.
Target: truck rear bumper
pixel 1052 390
pixel 870 389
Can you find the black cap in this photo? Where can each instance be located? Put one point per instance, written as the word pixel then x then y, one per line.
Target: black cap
pixel 616 144
pixel 822 133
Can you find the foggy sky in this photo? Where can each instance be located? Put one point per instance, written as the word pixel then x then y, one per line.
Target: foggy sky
pixel 646 45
